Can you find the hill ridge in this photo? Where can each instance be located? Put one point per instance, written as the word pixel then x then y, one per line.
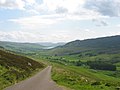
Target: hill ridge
pixel 102 44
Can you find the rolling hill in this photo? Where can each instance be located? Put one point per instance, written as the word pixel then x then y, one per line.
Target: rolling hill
pixel 92 64
pixel 100 45
pixel 21 47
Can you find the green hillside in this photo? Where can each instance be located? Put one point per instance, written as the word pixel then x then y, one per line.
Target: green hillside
pixel 100 45
pixel 79 78
pixel 21 47
pixel 92 64
pixel 14 68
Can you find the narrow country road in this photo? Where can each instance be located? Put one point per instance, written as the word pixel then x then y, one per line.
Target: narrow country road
pixel 41 81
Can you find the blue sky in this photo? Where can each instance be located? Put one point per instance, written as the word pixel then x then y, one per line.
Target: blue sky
pixel 58 20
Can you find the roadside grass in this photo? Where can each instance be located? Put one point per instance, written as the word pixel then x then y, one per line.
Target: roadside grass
pixel 8 79
pixel 78 78
pixel 15 68
pixel 82 78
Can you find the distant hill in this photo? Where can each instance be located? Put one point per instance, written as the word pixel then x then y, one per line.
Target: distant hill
pixel 14 68
pixel 21 47
pixel 101 45
pixel 49 45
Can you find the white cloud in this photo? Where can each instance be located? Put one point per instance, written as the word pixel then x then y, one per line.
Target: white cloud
pixel 52 11
pixel 17 4
pixel 56 11
pixel 105 7
pixel 100 22
pixel 37 21
pixel 20 36
pixel 87 30
pixel 86 7
pixel 2 1
pixel 118 25
pixel 71 5
pixel 50 6
pixel 53 36
pixel 12 4
pixel 61 10
pixel 43 16
pixel 30 2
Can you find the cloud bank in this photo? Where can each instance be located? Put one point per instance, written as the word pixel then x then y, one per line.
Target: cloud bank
pixel 53 13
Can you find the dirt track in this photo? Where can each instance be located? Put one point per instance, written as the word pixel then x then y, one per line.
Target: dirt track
pixel 41 81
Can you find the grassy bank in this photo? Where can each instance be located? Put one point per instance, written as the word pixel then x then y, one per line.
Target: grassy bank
pixel 14 68
pixel 79 78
